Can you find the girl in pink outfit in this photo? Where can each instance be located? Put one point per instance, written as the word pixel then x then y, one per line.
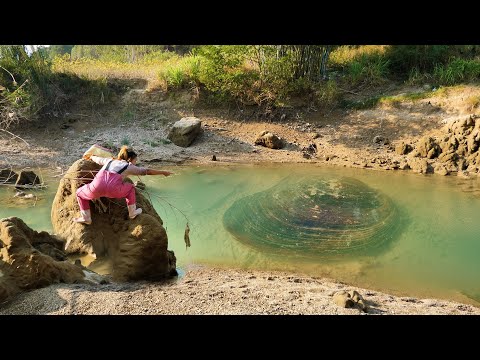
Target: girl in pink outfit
pixel 109 183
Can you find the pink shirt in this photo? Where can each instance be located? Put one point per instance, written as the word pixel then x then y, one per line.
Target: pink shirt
pixel 117 165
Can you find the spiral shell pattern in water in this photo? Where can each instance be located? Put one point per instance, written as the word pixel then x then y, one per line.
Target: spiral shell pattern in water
pixel 320 217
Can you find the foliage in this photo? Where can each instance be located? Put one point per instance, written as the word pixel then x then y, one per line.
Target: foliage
pixel 124 53
pixel 223 71
pixel 327 94
pixel 342 56
pixel 264 75
pixel 404 58
pixel 371 69
pixel 260 74
pixel 180 72
pixel 55 50
pixel 30 88
pixel 125 141
pixel 457 71
pixel 23 81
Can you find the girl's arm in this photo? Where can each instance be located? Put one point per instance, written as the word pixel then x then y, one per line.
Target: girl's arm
pixel 158 172
pixel 137 170
pixel 99 160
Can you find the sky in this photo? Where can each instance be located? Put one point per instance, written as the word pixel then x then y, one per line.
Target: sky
pixel 35 47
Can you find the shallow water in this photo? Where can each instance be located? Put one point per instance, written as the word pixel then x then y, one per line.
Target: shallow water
pixel 431 250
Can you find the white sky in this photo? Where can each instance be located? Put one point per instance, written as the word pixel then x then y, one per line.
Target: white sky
pixel 28 47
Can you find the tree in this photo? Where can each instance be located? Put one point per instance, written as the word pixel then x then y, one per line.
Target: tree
pixel 54 50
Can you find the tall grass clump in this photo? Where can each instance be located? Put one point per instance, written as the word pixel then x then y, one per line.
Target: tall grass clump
pixel 342 56
pixel 423 58
pixel 457 71
pixel 365 64
pixel 180 72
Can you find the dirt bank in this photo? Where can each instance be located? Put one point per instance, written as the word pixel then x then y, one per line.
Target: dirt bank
pixel 344 137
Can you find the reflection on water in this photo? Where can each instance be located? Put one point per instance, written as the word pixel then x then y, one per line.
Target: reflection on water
pixel 432 222
pixel 34 208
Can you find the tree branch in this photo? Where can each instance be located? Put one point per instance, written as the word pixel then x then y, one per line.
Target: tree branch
pixel 15 136
pixel 14 81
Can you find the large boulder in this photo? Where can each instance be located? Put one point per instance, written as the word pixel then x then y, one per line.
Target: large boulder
pixel 184 131
pixel 31 259
pixel 136 248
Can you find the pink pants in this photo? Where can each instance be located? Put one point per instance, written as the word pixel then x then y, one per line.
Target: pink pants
pixel 107 184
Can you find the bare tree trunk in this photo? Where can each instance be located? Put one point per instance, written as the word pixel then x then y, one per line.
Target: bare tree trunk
pixel 323 68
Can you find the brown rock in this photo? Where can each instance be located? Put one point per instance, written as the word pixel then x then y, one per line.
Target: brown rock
pixel 25 261
pixel 440 169
pixel 343 299
pixel 404 165
pixel 427 147
pixel 184 131
pixel 28 178
pixel 136 247
pixel 269 140
pixel 403 148
pixel 8 176
pixel 140 185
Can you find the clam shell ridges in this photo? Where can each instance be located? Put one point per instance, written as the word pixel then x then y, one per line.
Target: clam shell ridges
pixel 315 218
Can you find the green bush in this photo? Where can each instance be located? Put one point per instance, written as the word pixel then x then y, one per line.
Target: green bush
pixel 250 74
pixel 457 71
pixel 371 69
pixel 32 89
pixel 327 94
pixel 25 79
pixel 424 58
pixel 180 72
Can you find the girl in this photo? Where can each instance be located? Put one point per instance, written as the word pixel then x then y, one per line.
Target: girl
pixel 109 183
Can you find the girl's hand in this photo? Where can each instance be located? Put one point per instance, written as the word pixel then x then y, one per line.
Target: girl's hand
pixel 167 173
pixel 87 157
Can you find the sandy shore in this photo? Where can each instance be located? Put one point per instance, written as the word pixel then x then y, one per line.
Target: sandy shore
pixel 214 291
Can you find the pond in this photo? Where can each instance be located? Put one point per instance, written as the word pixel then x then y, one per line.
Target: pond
pixel 397 232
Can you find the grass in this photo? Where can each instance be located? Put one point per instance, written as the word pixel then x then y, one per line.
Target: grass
pixel 360 66
pixel 396 100
pixel 473 102
pixel 96 69
pixel 110 146
pixel 158 142
pixel 160 70
pixel 345 55
pixel 180 72
pixel 129 112
pixel 457 71
pixel 125 141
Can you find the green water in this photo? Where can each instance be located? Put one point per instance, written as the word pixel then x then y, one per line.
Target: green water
pixel 434 252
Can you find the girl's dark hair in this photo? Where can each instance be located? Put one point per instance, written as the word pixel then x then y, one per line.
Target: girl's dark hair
pixel 126 154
